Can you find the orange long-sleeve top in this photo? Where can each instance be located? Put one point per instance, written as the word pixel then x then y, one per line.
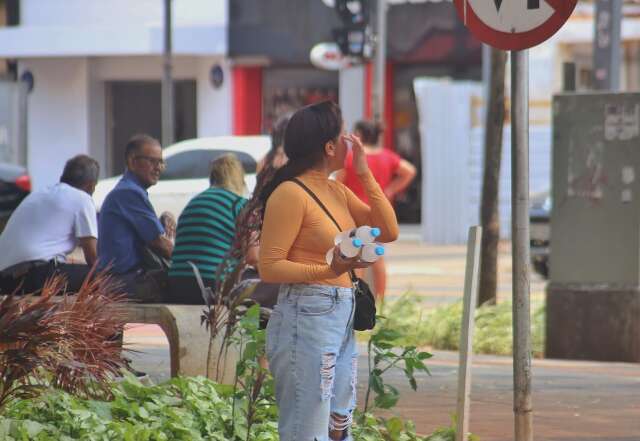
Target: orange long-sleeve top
pixel 297 233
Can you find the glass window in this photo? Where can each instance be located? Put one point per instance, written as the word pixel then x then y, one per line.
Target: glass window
pixel 195 164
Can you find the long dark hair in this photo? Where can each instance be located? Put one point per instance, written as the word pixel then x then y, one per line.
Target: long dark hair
pixel 307 132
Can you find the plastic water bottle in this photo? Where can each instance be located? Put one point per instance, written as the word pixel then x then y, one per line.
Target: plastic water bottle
pixel 366 233
pixel 343 235
pixel 348 248
pixel 371 252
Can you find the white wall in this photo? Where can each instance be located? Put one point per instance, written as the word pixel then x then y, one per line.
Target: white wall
pixel 67 108
pixel 445 132
pixel 58 116
pixel 72 28
pixel 86 13
pixel 452 136
pixel 141 68
pixel 215 106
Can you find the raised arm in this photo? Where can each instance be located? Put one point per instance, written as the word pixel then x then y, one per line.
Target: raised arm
pixel 379 213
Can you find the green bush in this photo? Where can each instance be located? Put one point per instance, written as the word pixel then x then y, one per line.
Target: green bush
pixel 440 327
pixel 189 409
pixel 195 408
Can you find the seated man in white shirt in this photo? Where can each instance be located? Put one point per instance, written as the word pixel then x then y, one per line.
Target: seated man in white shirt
pixel 47 226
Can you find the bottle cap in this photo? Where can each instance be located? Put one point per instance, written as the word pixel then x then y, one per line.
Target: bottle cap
pixel 379 250
pixel 356 242
pixel 375 231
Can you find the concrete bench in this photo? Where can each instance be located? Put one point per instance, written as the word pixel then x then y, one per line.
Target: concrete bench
pixel 188 339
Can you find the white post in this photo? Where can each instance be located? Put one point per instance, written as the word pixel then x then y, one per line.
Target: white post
pixel 471 281
pixel 351 95
pixel 380 65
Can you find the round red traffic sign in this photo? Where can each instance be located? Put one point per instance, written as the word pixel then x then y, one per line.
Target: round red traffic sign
pixel 514 24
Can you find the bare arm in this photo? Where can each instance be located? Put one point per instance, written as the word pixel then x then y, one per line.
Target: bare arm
pixel 404 175
pixel 89 247
pixel 162 245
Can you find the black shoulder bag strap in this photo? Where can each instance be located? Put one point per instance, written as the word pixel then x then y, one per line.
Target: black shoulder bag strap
pixel 326 210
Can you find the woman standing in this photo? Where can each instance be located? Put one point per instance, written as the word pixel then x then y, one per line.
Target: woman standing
pixel 310 340
pixel 206 229
pixel 393 173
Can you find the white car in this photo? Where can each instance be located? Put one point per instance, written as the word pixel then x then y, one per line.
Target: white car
pixel 187 171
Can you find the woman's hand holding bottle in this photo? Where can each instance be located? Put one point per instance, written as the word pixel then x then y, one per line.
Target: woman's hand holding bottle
pixel 340 264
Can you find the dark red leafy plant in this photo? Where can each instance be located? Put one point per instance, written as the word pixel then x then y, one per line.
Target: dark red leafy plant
pixel 59 339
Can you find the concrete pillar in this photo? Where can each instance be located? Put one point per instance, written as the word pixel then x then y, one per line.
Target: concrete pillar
pixel 352 91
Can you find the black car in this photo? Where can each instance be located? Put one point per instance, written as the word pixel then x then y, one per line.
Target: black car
pixel 15 185
pixel 539 224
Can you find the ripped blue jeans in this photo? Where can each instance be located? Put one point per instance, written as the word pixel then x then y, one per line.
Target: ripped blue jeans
pixel 312 355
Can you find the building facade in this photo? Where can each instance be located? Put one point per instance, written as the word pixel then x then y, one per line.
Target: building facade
pixel 96 70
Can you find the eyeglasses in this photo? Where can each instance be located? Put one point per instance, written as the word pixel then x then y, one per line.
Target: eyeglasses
pixel 155 162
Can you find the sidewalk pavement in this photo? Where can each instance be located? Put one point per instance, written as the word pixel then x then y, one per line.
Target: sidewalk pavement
pixel 436 272
pixel 572 400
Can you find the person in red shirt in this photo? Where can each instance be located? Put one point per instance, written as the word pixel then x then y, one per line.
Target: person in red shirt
pixel 393 174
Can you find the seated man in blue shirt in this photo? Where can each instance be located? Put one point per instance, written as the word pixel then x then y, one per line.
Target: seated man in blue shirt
pixel 127 221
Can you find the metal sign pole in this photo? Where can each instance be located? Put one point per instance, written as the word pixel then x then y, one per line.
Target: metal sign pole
pixel 607 46
pixel 167 79
pixel 522 405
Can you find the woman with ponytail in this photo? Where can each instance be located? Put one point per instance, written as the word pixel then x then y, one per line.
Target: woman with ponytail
pixel 310 340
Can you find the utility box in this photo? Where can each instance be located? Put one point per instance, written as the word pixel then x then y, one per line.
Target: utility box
pixel 593 298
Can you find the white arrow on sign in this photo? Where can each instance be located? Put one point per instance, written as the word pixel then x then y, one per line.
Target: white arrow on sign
pixel 513 16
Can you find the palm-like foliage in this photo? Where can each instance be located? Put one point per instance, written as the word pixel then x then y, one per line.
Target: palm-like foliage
pixel 65 342
pixel 94 317
pixel 31 338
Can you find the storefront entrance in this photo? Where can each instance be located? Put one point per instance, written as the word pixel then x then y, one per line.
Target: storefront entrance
pixel 135 107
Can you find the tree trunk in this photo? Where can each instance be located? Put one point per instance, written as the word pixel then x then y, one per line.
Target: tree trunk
pixel 489 214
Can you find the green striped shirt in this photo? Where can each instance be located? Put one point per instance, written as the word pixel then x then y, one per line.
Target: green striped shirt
pixel 205 231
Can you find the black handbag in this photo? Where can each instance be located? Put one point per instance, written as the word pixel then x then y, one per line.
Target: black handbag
pixel 152 261
pixel 364 317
